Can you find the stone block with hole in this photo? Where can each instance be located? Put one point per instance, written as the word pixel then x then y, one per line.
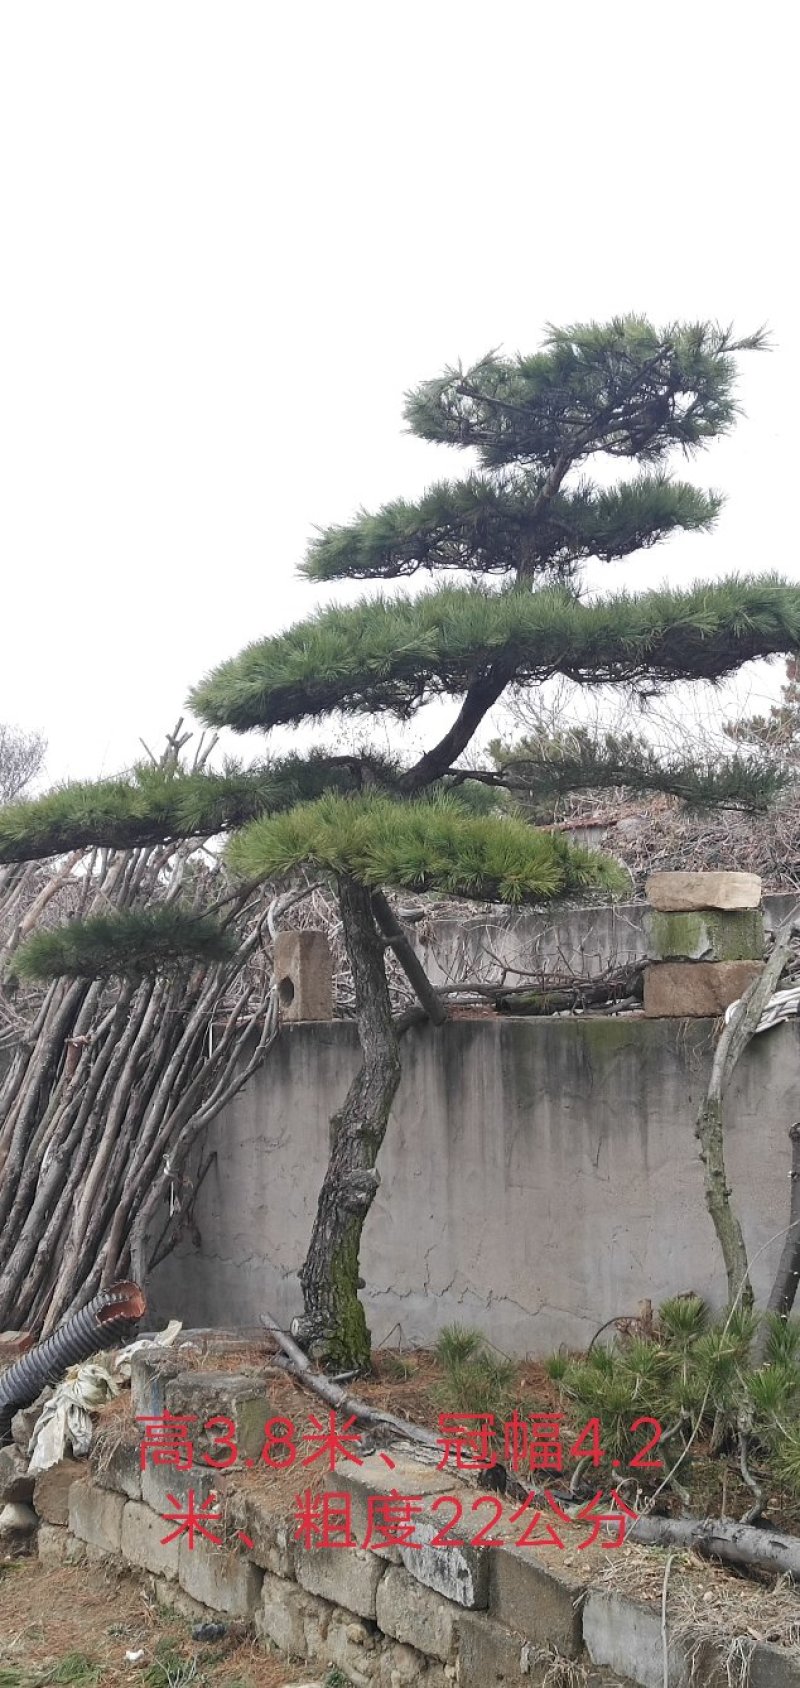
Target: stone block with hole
pixel 695 989
pixel 304 975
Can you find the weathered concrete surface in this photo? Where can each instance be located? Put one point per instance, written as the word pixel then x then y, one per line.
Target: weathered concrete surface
pixel 345 1577
pixel 546 1170
pixel 543 1605
pixel 580 940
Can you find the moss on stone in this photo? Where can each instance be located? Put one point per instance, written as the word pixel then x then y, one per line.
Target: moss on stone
pixel 706 935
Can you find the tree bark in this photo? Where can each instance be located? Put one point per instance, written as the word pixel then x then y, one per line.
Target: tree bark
pixel 735 1544
pixel 710 1120
pixel 334 1325
pixel 784 1289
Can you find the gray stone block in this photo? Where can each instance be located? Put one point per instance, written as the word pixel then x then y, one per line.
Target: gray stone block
pixel 222 1580
pixel 364 1483
pixel 151 1371
pixel 161 1481
pixel 681 990
pixel 304 975
pixel 231 1396
pixel 95 1516
pixel 56 1546
pixel 116 1465
pixel 143 1544
pixel 409 1612
pixel 490 1654
pixel 705 935
pixel 461 1574
pixel 295 1622
pixel 543 1605
pixel 24 1422
pixel 627 1637
pixel 271 1534
pixel 345 1576
pixel 774 1667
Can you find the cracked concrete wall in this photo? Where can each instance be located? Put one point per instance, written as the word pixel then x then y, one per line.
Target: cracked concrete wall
pixel 538 1177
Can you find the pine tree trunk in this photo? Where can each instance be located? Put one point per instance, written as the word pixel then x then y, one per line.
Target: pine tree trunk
pixel 334 1326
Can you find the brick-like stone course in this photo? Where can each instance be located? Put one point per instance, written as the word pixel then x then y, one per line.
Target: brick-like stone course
pixel 382 1624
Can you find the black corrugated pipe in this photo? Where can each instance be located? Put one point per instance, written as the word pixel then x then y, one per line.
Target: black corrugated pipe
pixel 108 1319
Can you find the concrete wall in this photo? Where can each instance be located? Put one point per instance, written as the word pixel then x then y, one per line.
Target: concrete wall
pixel 539 1177
pixel 581 940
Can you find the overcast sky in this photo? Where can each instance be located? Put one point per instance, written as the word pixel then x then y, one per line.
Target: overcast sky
pixel 233 235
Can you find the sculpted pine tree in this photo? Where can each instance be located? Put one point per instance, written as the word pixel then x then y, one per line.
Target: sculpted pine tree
pixel 518 526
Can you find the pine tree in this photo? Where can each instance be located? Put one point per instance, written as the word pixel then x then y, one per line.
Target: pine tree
pixel 518 525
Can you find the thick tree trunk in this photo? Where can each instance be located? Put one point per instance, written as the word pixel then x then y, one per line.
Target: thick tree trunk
pixel 334 1326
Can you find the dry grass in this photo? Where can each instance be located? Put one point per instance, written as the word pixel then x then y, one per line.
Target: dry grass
pixel 49 1616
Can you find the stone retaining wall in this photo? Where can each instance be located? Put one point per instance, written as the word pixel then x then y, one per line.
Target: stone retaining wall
pixel 386 1616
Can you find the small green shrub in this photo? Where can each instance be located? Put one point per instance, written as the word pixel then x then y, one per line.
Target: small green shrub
pixel 695 1378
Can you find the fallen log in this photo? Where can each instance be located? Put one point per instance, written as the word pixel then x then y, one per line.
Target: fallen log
pixel 715 1538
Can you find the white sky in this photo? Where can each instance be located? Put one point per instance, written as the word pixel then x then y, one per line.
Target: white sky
pixel 234 234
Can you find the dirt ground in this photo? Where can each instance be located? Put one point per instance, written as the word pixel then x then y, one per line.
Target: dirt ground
pixel 73 1625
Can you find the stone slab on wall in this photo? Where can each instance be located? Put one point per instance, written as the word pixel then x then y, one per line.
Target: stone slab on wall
pixel 538 1178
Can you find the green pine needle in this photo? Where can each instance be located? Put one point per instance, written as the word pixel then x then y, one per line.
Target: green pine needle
pixel 129 944
pixel 392 655
pixel 428 845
